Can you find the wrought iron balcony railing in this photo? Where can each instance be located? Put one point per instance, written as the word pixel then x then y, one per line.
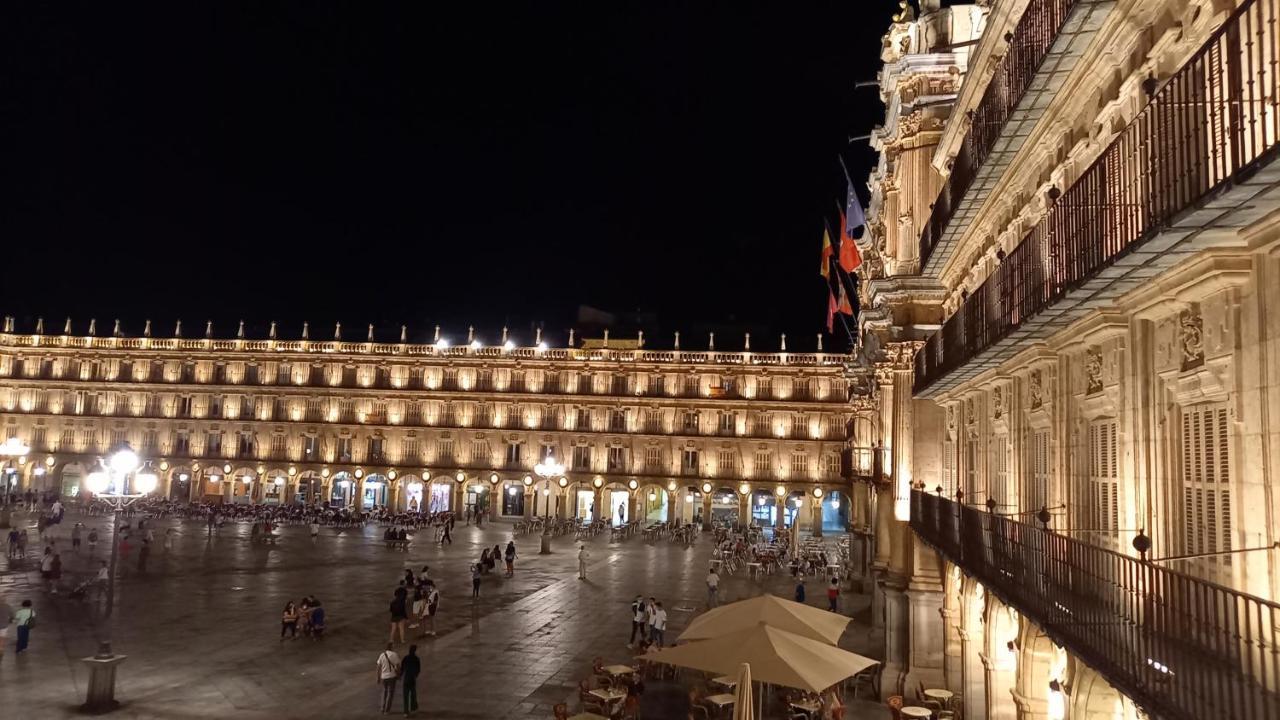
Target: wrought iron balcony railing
pixel 1029 43
pixel 1181 647
pixel 1214 121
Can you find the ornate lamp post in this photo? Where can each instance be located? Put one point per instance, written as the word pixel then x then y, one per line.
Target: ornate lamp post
pixel 120 482
pixel 546 470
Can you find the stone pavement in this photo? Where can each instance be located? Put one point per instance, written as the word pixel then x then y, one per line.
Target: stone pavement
pixel 201 627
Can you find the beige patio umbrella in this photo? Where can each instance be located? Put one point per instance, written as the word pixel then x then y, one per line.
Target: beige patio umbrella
pixel 804 620
pixel 742 709
pixel 777 657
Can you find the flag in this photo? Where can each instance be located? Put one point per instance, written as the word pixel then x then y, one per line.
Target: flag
pixel 844 305
pixel 827 252
pixel 850 258
pixel 831 310
pixel 852 208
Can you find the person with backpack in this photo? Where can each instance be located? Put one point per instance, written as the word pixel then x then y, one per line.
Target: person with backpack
pixel 25 620
pixel 388 672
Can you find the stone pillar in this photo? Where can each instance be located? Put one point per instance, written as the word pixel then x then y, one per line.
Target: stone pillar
pixel 883 527
pixel 779 513
pixel 928 631
pixel 744 509
pixel 529 495
pixel 815 511
pixel 706 510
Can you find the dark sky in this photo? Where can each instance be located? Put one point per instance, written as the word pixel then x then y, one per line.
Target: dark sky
pixel 422 163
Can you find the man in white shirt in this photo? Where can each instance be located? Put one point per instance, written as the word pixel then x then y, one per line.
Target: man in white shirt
pixel 388 672
pixel 657 624
pixel 583 556
pixel 713 585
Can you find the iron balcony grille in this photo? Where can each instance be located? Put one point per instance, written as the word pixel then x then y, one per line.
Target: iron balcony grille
pixel 1029 43
pixel 1213 121
pixel 1181 647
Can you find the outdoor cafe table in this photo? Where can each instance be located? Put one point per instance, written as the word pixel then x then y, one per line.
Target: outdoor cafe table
pixel 942 696
pixel 913 711
pixel 588 716
pixel 619 670
pixel 720 701
pixel 608 695
pixel 809 706
pixel 727 682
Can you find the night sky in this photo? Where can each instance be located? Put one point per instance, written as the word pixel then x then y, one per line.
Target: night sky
pixel 423 163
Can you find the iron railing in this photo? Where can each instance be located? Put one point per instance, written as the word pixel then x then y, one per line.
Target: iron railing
pixel 1179 646
pixel 1028 45
pixel 1216 119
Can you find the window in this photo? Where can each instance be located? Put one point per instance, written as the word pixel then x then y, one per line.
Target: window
pixel 800 426
pixel 831 461
pixel 1102 504
pixel 150 440
pixel 215 406
pixel 279 447
pixel 244 445
pixel 480 453
pixel 618 420
pixel 763 464
pixel 581 419
pixel 513 455
pixel 444 449
pixel 581 457
pixel 182 444
pixel 617 459
pixel 799 465
pixel 310 448
pixel 999 479
pixel 728 422
pixel 690 461
pixel 284 372
pixel 68 441
pixel 657 385
pixel 619 383
pixel 690 423
pixel 728 463
pixel 764 388
pixel 1036 493
pixel 343 450
pixel 184 406
pixel 1206 483
pixel 948 468
pixel 410 452
pixel 970 468
pixel 374 450
pixel 39 442
pixel 213 443
pixel 652 421
pixel 653 458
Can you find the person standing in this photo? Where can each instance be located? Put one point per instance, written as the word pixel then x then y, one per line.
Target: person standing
pixel 399 614
pixel 650 616
pixel 93 540
pixel 713 587
pixel 75 537
pixel 833 595
pixel 46 569
pixel 409 669
pixel 658 626
pixel 315 527
pixel 475 580
pixel 289 621
pixel 433 604
pixel 800 590
pixel 388 671
pixel 637 620
pixel 24 619
pixel 583 556
pixel 511 558
pixel 447 537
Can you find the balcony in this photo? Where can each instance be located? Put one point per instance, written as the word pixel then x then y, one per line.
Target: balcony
pixel 1195 158
pixel 1181 647
pixel 1029 44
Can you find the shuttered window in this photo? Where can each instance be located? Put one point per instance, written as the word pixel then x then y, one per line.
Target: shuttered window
pixel 1102 490
pixel 949 468
pixel 970 469
pixel 1206 483
pixel 1035 485
pixel 999 479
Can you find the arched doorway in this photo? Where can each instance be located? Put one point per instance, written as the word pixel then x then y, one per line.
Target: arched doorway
pixel 512 499
pixel 310 488
pixel 71 479
pixel 724 507
pixel 974 675
pixel 1002 659
pixel 342 490
pixel 211 479
pixel 411 493
pixel 180 479
pixel 1093 698
pixel 375 492
pixel 275 487
pixel 243 486
pixel 476 497
pixel 654 501
pixel 583 502
pixel 794 507
pixel 440 495
pixel 763 508
pixel 835 505
pixel 617 500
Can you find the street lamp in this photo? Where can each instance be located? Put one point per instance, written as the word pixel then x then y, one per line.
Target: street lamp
pixel 110 482
pixel 546 470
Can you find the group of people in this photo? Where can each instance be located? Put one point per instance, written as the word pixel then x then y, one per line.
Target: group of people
pixel 416 598
pixel 648 624
pixel 308 615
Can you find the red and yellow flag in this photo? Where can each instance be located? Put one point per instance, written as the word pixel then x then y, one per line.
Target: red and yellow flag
pixel 850 258
pixel 827 252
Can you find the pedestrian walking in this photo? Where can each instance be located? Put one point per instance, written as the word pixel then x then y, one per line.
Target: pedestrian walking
pixel 410 667
pixel 658 627
pixel 24 620
pixel 75 537
pixel 800 590
pixel 13 544
pixel 713 587
pixel 447 537
pixel 388 672
pixel 650 614
pixel 583 556
pixel 833 595
pixel 315 527
pixel 168 539
pixel 475 580
pixel 46 569
pixel 289 621
pixel 511 558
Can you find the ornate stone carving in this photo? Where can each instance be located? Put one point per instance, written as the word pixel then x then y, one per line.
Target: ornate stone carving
pixel 1035 389
pixel 902 355
pixel 997 402
pixel 1191 336
pixel 970 417
pixel 1093 370
pixel 951 422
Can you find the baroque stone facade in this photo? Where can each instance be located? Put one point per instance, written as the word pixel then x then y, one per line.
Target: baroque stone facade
pixel 430 426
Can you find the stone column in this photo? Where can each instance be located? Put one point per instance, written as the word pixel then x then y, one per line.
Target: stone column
pixel 706 510
pixel 884 495
pixel 744 509
pixel 529 494
pixel 815 509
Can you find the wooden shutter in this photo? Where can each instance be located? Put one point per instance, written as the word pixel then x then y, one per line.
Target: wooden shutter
pixel 1206 483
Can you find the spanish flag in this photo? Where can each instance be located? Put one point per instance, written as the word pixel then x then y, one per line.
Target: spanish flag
pixel 850 258
pixel 827 252
pixel 831 310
